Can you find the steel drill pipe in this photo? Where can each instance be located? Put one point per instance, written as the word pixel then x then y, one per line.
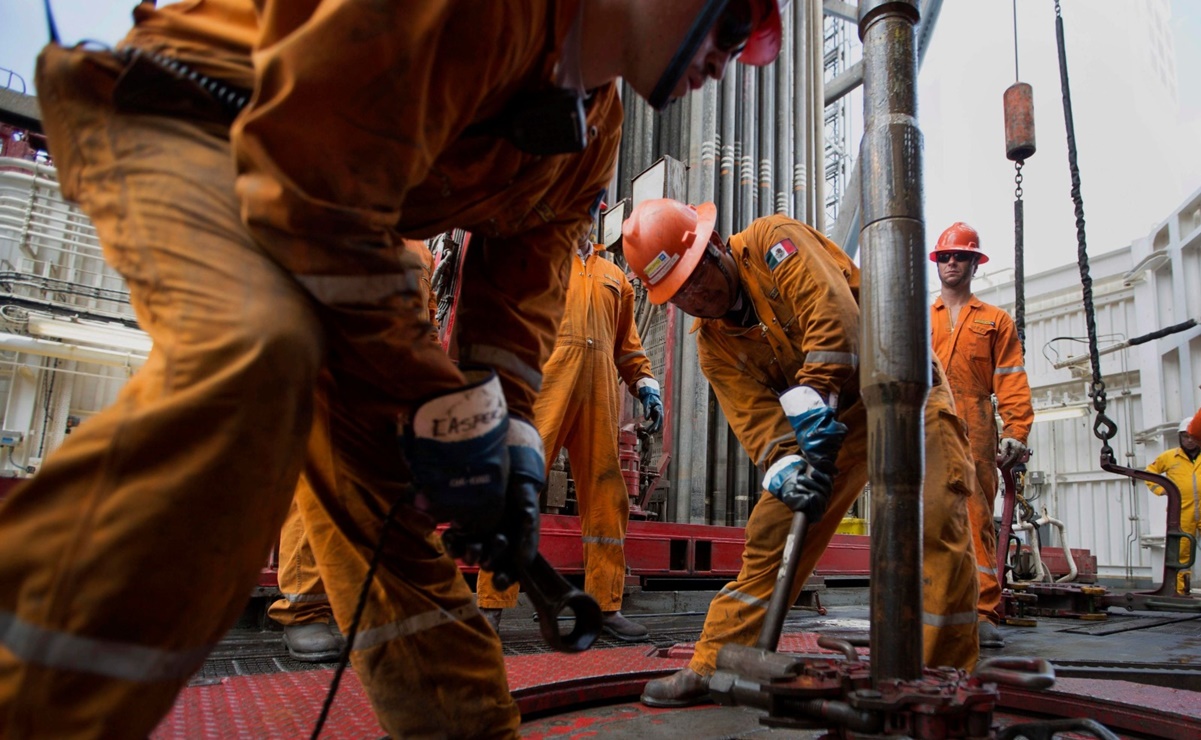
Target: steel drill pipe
pixel 895 354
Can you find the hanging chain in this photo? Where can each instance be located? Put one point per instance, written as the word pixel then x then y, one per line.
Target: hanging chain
pixel 1019 256
pixel 1104 427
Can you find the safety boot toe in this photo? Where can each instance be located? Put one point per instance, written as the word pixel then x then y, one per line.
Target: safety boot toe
pixel 623 629
pixel 990 635
pixel 683 688
pixel 313 643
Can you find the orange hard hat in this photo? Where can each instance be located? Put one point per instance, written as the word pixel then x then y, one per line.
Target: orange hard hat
pixel 763 46
pixel 959 237
pixel 663 240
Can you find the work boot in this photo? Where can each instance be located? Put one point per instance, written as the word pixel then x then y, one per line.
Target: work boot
pixel 990 636
pixel 623 629
pixel 493 617
pixel 313 643
pixel 683 688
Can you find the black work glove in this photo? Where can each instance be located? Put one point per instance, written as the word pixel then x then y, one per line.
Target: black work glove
pixel 801 485
pixel 513 546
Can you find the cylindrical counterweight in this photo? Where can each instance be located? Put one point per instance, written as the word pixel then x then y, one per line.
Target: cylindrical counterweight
pixel 1019 121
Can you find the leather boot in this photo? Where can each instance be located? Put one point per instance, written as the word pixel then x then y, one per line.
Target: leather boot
pixel 623 629
pixel 683 688
pixel 493 616
pixel 313 643
pixel 990 636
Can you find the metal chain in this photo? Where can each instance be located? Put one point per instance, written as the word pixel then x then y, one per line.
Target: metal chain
pixel 1104 427
pixel 1019 256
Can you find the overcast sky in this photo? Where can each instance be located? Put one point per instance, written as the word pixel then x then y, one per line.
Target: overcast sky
pixel 1139 158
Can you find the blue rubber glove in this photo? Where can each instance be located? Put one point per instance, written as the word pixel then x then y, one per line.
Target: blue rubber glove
pixel 455 447
pixel 800 485
pixel 818 432
pixel 652 405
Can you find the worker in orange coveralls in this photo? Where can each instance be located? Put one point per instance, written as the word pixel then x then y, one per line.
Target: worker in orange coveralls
pixel 580 408
pixel 251 167
pixel 778 340
pixel 303 608
pixel 978 345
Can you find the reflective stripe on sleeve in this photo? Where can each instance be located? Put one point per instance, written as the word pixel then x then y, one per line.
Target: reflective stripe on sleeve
pixel 306 598
pixel 496 357
pixel 947 620
pixel 66 652
pixel 602 541
pixel 417 623
pixel 1009 370
pixel 771 446
pixel 986 570
pixel 832 358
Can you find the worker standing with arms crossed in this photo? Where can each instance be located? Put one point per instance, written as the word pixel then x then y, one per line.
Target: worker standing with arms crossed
pixel 273 280
pixel 580 408
pixel 978 345
pixel 778 340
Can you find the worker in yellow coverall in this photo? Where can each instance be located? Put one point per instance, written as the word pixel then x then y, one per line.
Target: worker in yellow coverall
pixel 580 408
pixel 303 609
pixel 1182 466
pixel 978 345
pixel 251 167
pixel 778 340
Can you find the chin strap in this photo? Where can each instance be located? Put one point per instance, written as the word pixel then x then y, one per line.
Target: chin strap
pixel 683 57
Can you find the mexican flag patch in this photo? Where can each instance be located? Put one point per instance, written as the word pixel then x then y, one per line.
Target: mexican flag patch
pixel 779 252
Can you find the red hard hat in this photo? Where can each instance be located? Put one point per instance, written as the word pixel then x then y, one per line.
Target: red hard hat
pixel 763 46
pixel 663 240
pixel 959 237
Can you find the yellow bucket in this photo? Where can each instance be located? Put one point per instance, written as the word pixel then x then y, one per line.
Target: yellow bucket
pixel 851 525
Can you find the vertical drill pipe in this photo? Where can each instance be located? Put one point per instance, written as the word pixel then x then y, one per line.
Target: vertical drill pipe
pixel 895 345
pixel 777 608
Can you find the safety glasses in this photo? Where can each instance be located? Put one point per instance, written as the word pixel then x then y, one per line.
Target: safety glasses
pixel 733 27
pixel 945 257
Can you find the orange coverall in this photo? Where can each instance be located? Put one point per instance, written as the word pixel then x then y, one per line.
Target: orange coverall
pixel 580 409
pixel 288 333
pixel 1186 474
pixel 302 593
pixel 982 355
pixel 808 308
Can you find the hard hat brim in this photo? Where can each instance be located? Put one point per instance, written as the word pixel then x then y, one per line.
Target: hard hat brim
pixel 706 220
pixel 764 44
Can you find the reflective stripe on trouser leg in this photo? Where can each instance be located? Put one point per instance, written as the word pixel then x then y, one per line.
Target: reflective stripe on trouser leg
pixel 736 614
pixel 601 492
pixel 984 539
pixel 143 534
pixel 303 598
pixel 428 661
pixel 951 589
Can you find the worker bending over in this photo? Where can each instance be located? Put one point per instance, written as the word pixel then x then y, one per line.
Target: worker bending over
pixel 580 408
pixel 1182 466
pixel 978 345
pixel 778 340
pixel 270 272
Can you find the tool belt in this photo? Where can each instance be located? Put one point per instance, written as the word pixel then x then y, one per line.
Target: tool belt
pixel 154 84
